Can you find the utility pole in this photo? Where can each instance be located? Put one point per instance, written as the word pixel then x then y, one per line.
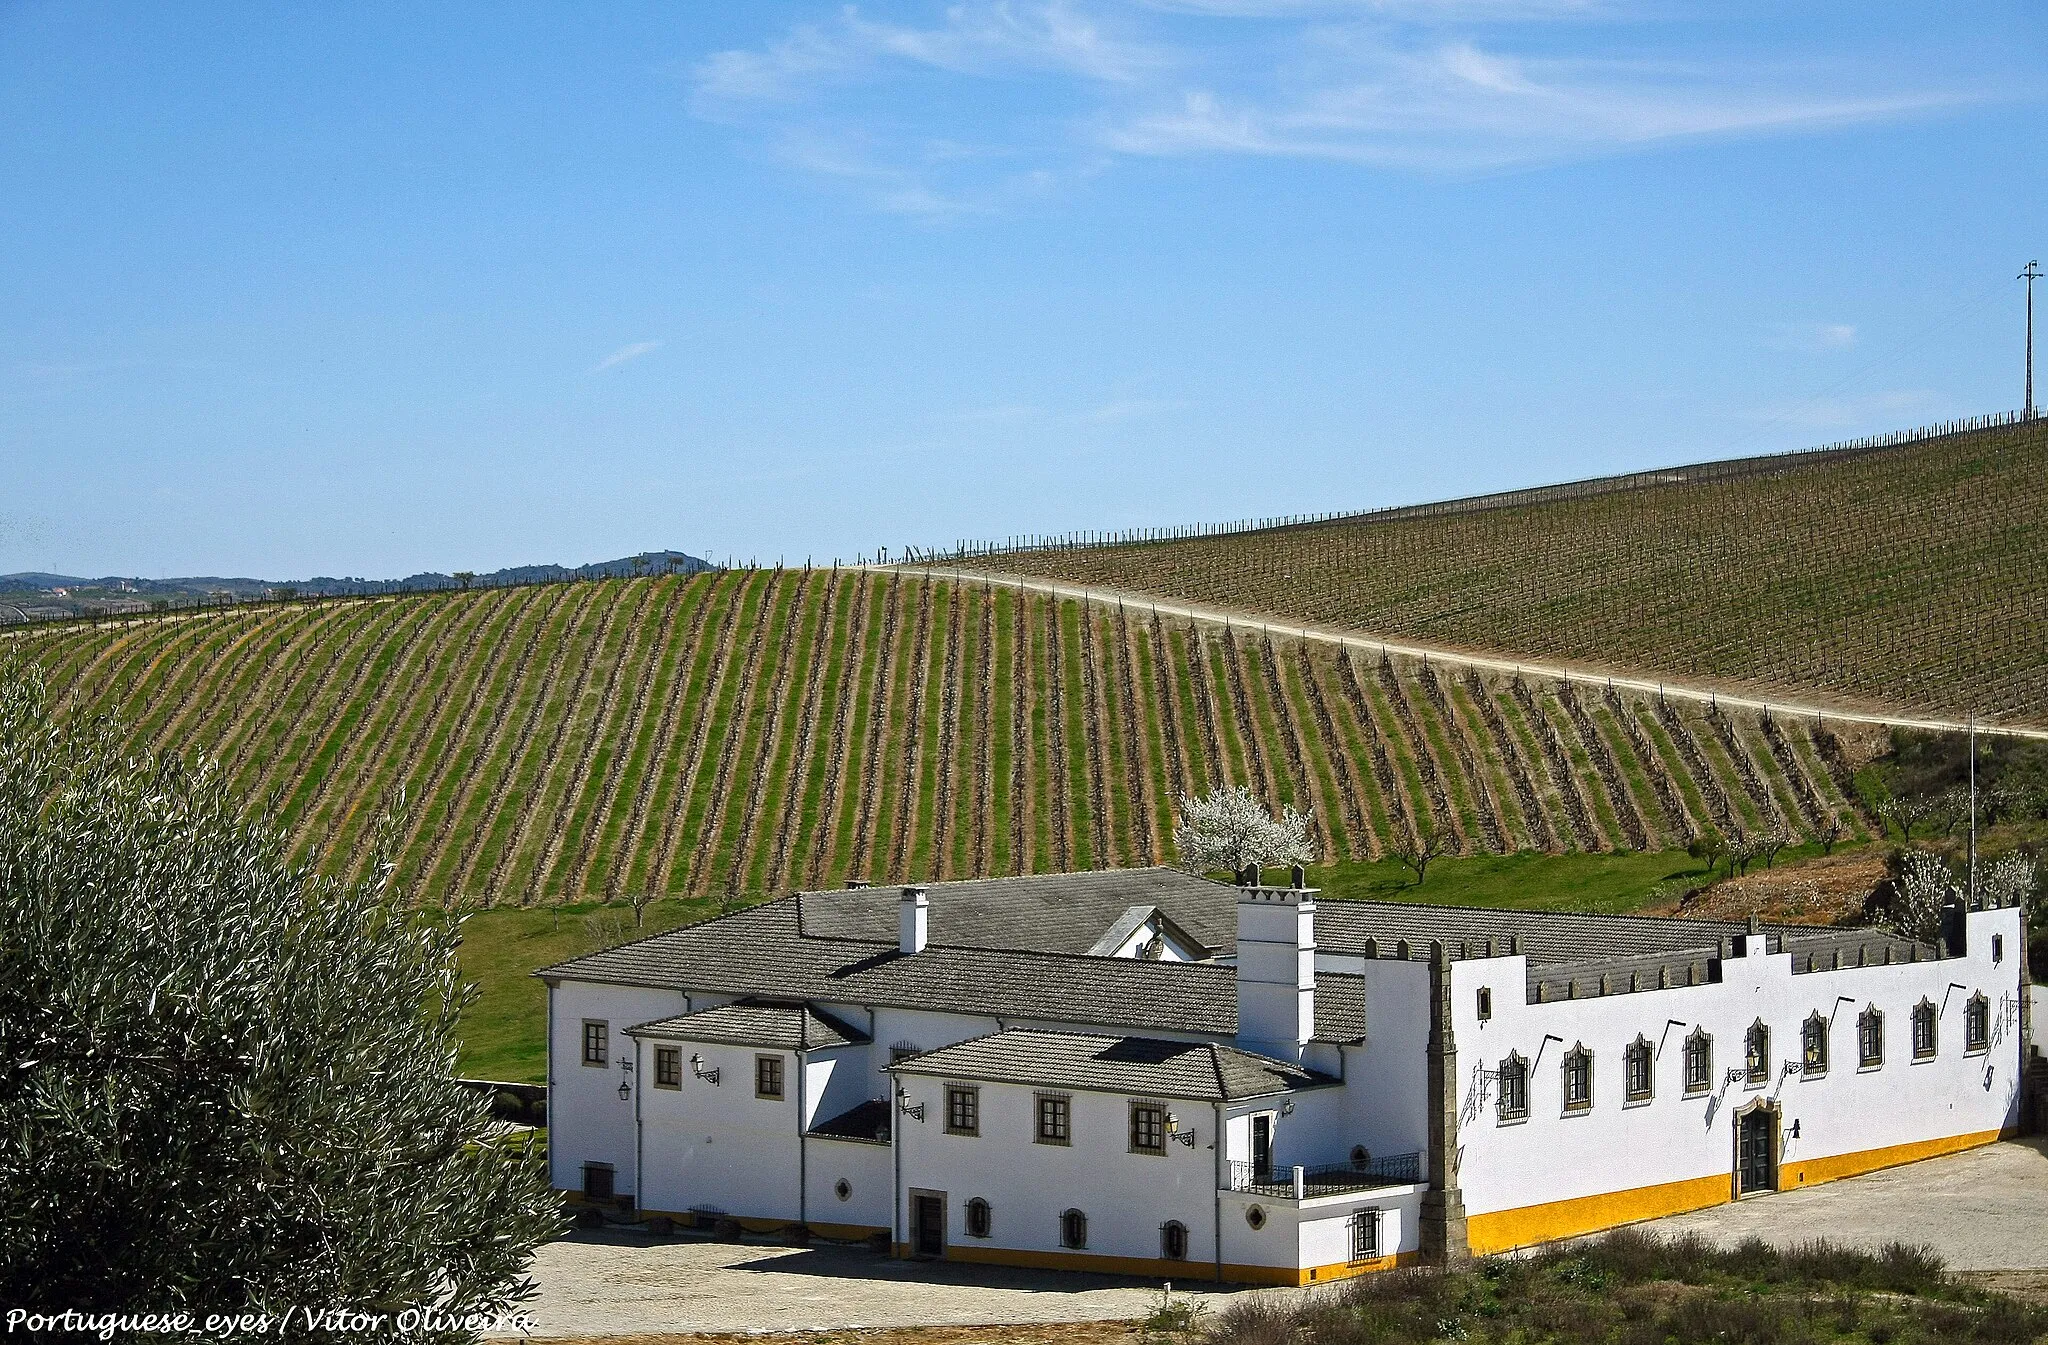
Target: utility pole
pixel 2030 275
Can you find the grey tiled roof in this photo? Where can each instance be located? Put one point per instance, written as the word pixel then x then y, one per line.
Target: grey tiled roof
pixel 1547 938
pixel 758 952
pixel 751 1022
pixel 1072 912
pixel 1045 912
pixel 1140 1066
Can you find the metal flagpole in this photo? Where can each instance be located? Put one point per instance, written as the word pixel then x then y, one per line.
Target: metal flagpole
pixel 1973 810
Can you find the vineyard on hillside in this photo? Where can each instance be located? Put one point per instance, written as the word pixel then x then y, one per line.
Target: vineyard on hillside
pixel 760 730
pixel 1912 577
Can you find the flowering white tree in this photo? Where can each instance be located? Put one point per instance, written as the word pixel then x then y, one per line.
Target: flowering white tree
pixel 1923 886
pixel 1229 828
pixel 2009 881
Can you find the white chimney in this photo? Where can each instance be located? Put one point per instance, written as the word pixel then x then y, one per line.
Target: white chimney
pixel 1276 970
pixel 912 915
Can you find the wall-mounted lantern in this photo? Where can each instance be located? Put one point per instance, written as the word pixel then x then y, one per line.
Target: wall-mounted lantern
pixel 625 1084
pixel 903 1105
pixel 697 1070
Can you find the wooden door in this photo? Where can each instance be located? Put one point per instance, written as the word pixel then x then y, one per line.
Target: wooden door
pixel 928 1225
pixel 1755 1158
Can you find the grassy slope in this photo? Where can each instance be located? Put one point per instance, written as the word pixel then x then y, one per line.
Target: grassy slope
pixel 504 717
pixel 1915 577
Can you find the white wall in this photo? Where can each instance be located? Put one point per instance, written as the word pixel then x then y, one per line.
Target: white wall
pixel 717 1146
pixel 1317 1232
pixel 1389 1072
pixel 587 1121
pixel 1674 1137
pixel 1126 1196
pixel 868 1169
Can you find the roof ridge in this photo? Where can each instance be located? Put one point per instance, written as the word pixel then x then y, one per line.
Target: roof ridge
pixel 756 909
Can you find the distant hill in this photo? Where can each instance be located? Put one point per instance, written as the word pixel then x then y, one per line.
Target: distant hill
pixel 1908 575
pixel 35 591
pixel 757 730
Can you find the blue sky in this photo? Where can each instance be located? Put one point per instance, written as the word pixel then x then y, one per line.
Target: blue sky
pixel 289 290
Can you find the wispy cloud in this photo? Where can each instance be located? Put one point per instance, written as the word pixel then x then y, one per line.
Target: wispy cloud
pixel 1891 408
pixel 1812 338
pixel 904 113
pixel 626 355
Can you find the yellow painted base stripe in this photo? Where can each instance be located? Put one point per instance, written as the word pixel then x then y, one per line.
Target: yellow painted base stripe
pixel 1158 1268
pixel 1505 1230
pixel 1814 1171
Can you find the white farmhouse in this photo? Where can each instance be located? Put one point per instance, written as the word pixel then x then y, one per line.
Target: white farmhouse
pixel 1151 1073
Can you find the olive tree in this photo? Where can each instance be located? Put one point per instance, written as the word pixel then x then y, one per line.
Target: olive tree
pixel 228 1082
pixel 1229 828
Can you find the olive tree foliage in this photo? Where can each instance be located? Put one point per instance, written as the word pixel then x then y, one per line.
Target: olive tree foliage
pixel 228 1082
pixel 1230 828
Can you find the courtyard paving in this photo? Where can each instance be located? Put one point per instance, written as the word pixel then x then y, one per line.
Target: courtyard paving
pixel 1985 1211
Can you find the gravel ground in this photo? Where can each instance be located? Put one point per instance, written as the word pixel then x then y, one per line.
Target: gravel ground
pixel 616 1283
pixel 1985 1211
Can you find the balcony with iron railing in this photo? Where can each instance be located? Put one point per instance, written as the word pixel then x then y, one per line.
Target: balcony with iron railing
pixel 1327 1179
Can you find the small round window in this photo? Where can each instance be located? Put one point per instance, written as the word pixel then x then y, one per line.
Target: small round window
pixel 843 1189
pixel 1256 1217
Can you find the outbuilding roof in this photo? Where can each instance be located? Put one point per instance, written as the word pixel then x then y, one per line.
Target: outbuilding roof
pixel 1044 912
pixel 754 1022
pixel 758 952
pixel 1139 1066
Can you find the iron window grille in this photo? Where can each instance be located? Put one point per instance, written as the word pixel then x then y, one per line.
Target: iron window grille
pixel 979 1221
pixel 668 1067
pixel 1578 1080
pixel 963 1109
pixel 1148 1128
pixel 1638 1073
pixel 597 1042
pixel 1485 1003
pixel 1813 1046
pixel 1977 1024
pixel 1055 1118
pixel 1173 1240
pixel 1365 1235
pixel 768 1076
pixel 1756 1054
pixel 1870 1039
pixel 1925 1038
pixel 1514 1089
pixel 1699 1062
pixel 1073 1229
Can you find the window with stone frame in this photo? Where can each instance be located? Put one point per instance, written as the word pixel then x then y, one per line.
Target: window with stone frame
pixel 979 1220
pixel 768 1076
pixel 963 1109
pixel 1365 1235
pixel 597 1042
pixel 1055 1118
pixel 1813 1045
pixel 1173 1240
pixel 1756 1053
pixel 1926 1034
pixel 1977 1024
pixel 1074 1229
pixel 1578 1080
pixel 1638 1071
pixel 1514 1088
pixel 668 1067
pixel 1870 1038
pixel 1148 1128
pixel 1699 1061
